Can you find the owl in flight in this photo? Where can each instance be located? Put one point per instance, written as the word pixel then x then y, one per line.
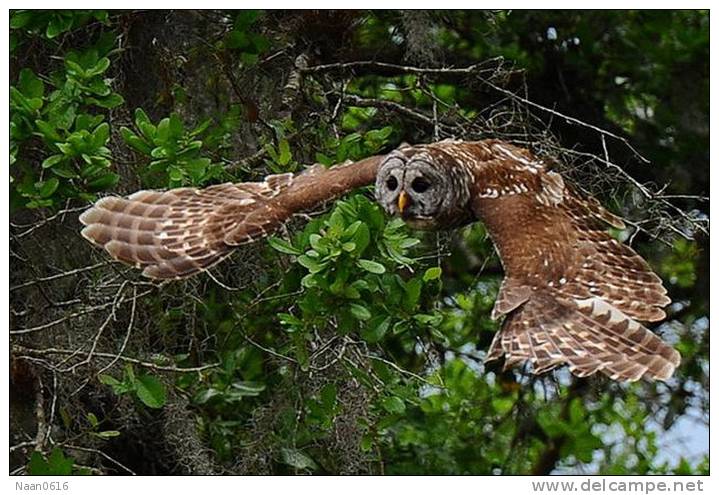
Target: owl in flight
pixel 572 295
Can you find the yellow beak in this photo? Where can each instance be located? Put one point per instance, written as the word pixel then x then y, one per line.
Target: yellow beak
pixel 402 201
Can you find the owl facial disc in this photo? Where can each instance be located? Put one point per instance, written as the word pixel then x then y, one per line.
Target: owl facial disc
pixel 410 185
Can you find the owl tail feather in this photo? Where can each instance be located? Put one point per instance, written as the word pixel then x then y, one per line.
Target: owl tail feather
pixel 588 335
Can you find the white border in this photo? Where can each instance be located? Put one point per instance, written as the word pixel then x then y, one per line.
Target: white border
pixel 315 485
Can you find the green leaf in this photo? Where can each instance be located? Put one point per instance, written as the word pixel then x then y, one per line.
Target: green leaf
pixel 290 322
pixel 109 380
pixel 85 121
pixel 58 25
pixel 576 412
pixel 99 87
pixel 583 446
pixel 64 172
pixel 285 154
pixel 432 274
pixel 549 423
pixel 297 459
pixel 425 319
pixel 336 222
pixel 100 67
pixel 502 405
pixel 245 18
pixel 48 131
pixel 394 405
pixel 163 131
pixel 376 328
pixel 48 187
pixel 360 312
pixel 329 395
pixel 20 18
pixel 175 174
pixel 202 127
pixel 52 160
pixel 73 68
pixel 107 181
pixel 176 126
pixel 66 149
pixel 250 389
pixel 413 290
pixel 310 263
pixel 309 281
pixel 100 135
pixel 117 386
pixel 110 101
pixel 361 238
pixel 56 464
pixel 150 391
pixel 141 118
pixel 39 203
pixel 30 85
pixel 317 243
pixel 283 246
pixel 92 419
pixel 204 396
pixel 107 434
pixel 135 141
pixel 237 40
pixel 37 465
pixel 196 168
pixel 372 266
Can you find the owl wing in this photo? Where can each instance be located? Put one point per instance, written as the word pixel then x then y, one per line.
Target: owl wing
pixel 177 233
pixel 572 294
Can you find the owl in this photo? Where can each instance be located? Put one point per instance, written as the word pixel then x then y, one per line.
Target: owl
pixel 572 294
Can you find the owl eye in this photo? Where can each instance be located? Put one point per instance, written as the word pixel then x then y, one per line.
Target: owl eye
pixel 392 183
pixel 420 184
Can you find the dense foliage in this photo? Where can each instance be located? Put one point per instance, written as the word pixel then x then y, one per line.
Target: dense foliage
pixel 346 343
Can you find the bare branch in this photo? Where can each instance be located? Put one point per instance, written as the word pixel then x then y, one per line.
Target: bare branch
pixel 567 118
pixel 77 314
pixel 489 66
pixel 60 275
pixel 21 352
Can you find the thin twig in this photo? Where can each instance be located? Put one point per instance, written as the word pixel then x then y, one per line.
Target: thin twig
pixel 21 352
pixel 100 453
pixel 127 335
pixel 402 370
pixel 488 66
pixel 36 225
pixel 568 119
pixel 60 275
pixel 77 314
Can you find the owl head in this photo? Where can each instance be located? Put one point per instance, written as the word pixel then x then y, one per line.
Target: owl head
pixel 422 185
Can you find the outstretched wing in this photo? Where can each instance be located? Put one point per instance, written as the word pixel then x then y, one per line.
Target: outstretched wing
pixel 588 335
pixel 572 293
pixel 177 233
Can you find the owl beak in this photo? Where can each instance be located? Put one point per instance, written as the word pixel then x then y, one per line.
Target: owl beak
pixel 402 201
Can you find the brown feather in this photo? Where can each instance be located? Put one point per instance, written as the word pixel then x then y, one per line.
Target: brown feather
pixel 177 233
pixel 554 244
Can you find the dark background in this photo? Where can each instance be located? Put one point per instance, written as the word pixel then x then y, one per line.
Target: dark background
pixel 248 370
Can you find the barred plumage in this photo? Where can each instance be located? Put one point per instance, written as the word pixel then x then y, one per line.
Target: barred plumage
pixel 572 294
pixel 177 233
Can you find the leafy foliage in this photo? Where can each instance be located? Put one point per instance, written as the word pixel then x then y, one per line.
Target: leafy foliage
pixel 346 343
pixel 148 389
pixel 63 126
pixel 56 464
pixel 51 24
pixel 174 152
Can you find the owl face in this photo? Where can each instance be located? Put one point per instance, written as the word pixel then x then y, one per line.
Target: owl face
pixel 411 185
